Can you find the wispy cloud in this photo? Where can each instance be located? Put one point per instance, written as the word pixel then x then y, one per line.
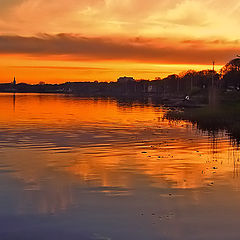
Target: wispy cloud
pixel 126 17
pixel 61 67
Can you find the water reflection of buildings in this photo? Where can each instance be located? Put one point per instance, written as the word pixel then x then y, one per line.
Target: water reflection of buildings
pixel 14 102
pixel 48 198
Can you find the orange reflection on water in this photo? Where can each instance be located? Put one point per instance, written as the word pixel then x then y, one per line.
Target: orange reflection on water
pixel 51 110
pixel 193 167
pixel 108 147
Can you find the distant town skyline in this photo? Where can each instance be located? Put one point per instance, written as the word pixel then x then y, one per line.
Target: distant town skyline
pixel 71 40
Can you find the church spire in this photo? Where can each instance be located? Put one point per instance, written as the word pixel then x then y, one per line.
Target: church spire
pixel 14 81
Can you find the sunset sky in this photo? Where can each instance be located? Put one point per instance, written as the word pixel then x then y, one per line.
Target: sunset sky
pixel 88 40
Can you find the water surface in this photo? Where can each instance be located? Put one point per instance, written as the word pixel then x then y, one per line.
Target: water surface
pixel 74 168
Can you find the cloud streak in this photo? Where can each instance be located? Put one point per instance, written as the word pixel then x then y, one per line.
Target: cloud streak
pixel 76 47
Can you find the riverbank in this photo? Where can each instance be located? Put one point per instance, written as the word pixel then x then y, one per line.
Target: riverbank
pixel 224 117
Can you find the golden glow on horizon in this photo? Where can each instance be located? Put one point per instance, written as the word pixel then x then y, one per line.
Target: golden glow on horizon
pixel 34 71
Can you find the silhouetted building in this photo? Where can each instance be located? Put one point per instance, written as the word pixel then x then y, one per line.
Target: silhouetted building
pixel 125 79
pixel 14 81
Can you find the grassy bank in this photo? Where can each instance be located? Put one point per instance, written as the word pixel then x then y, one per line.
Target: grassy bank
pixel 225 116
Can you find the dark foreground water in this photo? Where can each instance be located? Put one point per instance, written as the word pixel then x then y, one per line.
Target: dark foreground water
pixel 73 168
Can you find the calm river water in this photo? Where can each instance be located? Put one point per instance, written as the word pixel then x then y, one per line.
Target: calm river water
pixel 87 169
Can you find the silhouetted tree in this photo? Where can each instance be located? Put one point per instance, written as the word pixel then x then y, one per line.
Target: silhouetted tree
pixel 230 74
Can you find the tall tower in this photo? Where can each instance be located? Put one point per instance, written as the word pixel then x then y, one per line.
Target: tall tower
pixel 14 81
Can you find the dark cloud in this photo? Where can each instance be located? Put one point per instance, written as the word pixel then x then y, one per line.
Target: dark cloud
pixel 84 48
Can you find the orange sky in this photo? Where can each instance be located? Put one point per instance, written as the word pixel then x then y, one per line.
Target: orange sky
pixel 72 40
